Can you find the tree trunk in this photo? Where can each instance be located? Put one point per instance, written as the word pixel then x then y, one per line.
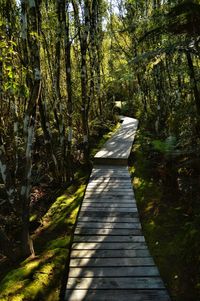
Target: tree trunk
pixel 69 89
pixel 32 11
pixel 193 82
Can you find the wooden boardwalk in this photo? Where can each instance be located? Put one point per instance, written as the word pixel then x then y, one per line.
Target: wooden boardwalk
pixel 109 259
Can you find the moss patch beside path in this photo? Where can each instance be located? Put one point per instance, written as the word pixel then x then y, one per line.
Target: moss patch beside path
pixel 170 220
pixel 39 278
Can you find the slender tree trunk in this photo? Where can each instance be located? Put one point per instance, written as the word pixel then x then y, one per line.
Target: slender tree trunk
pixel 83 30
pixel 58 99
pixel 32 11
pixel 69 89
pixel 193 82
pixel 47 134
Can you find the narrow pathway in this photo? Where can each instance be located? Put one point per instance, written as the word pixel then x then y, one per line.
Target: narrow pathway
pixel 110 260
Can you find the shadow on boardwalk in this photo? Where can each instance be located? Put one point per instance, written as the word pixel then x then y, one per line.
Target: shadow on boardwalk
pixel 109 258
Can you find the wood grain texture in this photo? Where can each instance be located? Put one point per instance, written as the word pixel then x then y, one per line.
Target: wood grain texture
pixel 91 272
pixel 109 253
pixel 116 295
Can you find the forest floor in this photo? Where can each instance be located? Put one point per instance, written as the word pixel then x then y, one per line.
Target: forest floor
pixel 168 199
pixel 52 218
pixel 169 206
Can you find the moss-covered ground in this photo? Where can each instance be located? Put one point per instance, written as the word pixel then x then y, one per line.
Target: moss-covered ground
pixel 41 277
pixel 170 216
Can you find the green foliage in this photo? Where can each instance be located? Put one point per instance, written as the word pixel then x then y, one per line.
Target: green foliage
pixel 166 147
pixel 170 217
pixel 39 278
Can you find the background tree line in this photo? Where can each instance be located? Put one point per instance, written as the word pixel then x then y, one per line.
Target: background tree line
pixel 63 64
pixel 52 99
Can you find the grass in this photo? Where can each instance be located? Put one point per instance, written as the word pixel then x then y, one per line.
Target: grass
pixel 170 221
pixel 40 278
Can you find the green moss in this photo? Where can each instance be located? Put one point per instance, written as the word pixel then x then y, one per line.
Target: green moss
pixel 103 140
pixel 166 224
pixel 40 278
pixel 37 277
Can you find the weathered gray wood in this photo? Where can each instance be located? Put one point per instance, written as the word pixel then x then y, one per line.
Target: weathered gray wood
pixel 109 189
pixel 119 203
pixel 108 238
pixel 119 145
pixel 109 253
pixel 109 219
pixel 108 209
pixel 103 197
pixel 87 231
pixel 114 262
pixel 109 201
pixel 116 295
pixel 106 225
pixel 109 258
pixel 110 183
pixel 91 272
pixel 109 193
pixel 116 283
pixel 120 215
pixel 109 246
pixel 114 174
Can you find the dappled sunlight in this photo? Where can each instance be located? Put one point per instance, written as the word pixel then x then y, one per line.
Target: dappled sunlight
pixel 64 205
pixel 108 245
pixel 36 275
pixel 119 146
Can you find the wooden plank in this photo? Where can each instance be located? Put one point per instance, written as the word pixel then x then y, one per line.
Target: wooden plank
pixel 108 209
pixel 86 231
pixel 115 176
pixel 119 145
pixel 116 283
pixel 107 225
pixel 116 272
pixel 109 189
pixel 105 198
pixel 109 253
pixel 109 219
pixel 107 193
pixel 109 201
pixel 109 169
pixel 109 246
pixel 107 205
pixel 120 215
pixel 114 262
pixel 110 183
pixel 110 174
pixel 108 238
pixel 116 295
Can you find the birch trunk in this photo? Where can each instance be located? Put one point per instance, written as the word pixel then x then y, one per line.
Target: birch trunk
pixel 32 14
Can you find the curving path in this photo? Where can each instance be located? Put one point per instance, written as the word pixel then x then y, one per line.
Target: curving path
pixel 109 259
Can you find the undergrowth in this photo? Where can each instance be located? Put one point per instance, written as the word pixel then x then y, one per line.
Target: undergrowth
pixel 40 278
pixel 167 193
